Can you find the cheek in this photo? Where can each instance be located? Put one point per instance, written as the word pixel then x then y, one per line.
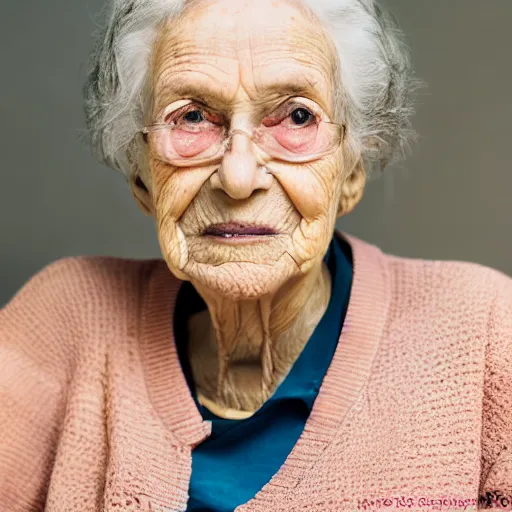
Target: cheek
pixel 300 141
pixel 174 189
pixel 189 144
pixel 173 192
pixel 312 188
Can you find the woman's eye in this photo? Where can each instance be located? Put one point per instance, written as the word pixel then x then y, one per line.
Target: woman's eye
pixel 193 116
pixel 301 116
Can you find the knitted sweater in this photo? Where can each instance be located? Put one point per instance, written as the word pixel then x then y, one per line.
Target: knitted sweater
pixel 415 410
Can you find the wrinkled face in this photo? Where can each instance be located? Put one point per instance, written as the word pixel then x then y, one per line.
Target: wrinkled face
pixel 247 224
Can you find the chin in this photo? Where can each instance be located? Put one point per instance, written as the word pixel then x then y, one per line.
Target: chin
pixel 240 280
pixel 239 272
pixel 244 268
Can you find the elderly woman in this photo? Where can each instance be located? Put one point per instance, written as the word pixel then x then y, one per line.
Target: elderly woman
pixel 267 362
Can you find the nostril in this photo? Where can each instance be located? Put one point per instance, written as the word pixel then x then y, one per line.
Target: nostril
pixel 236 189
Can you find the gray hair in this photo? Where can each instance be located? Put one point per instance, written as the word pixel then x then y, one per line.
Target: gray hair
pixel 375 92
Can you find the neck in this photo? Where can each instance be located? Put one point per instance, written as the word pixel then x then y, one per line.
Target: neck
pixel 240 351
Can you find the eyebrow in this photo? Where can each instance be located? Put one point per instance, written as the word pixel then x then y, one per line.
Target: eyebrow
pixel 268 93
pixel 296 86
pixel 195 91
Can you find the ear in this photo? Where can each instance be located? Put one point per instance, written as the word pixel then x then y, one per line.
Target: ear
pixel 352 189
pixel 141 194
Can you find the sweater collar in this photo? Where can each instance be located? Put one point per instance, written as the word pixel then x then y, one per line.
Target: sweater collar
pixel 348 372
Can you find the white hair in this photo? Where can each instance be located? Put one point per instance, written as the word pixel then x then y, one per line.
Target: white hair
pixel 374 92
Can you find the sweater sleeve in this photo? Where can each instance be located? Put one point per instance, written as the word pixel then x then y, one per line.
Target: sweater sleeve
pixel 496 477
pixel 32 387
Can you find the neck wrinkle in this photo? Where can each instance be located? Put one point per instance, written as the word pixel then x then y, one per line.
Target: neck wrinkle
pixel 256 342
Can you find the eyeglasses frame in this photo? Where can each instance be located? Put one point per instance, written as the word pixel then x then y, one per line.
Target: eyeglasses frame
pixel 227 142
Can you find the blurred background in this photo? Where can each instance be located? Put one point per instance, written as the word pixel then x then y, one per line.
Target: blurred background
pixel 450 200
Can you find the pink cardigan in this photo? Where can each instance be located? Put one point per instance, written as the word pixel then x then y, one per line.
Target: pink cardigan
pixel 415 411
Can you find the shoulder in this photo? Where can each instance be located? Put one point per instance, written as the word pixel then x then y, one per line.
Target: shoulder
pixel 79 279
pixel 468 300
pixel 66 272
pixel 463 298
pixel 451 276
pixel 437 284
pixel 68 305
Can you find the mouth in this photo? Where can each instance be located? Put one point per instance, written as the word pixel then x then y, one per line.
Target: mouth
pixel 238 232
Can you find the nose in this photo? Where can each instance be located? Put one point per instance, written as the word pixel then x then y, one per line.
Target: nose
pixel 240 173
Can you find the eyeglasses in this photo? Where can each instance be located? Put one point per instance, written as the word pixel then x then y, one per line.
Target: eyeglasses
pixel 199 137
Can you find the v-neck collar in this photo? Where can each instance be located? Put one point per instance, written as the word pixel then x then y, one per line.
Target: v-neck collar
pixel 347 374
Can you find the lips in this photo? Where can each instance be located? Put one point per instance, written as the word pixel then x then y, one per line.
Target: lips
pixel 238 229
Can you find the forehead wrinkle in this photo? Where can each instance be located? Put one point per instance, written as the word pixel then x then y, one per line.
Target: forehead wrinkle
pixel 304 51
pixel 185 76
pixel 266 94
pixel 179 53
pixel 297 80
pixel 175 53
pixel 308 55
pixel 253 55
pixel 179 82
pixel 187 34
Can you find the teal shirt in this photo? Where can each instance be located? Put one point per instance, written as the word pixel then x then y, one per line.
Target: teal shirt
pixel 241 456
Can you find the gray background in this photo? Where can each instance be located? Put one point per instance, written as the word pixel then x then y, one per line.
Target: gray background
pixel 450 200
